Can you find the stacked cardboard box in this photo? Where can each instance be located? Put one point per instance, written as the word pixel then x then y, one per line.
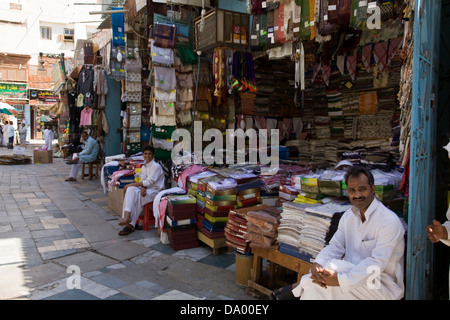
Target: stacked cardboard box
pixel 180 222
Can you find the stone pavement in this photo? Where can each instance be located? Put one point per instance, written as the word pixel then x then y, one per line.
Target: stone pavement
pixel 59 241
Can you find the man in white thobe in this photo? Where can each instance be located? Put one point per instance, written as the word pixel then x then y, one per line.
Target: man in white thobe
pixel 364 259
pixel 140 193
pixel 48 138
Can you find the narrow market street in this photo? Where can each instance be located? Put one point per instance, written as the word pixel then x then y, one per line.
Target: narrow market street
pixel 52 230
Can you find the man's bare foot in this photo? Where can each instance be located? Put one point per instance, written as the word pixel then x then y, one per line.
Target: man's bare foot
pixel 126 219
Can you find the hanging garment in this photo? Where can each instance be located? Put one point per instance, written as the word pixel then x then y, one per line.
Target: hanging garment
pixel 165 95
pixel 367 56
pixel 164 108
pixel 86 117
pixel 164 35
pixel 380 51
pixel 351 63
pixel 118 30
pixel 165 78
pixel 394 46
pixel 185 80
pixel 163 56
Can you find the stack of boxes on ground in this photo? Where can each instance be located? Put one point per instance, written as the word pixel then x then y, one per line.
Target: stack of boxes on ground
pixel 180 221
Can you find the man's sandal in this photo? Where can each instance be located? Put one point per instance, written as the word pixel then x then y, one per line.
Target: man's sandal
pixel 284 293
pixel 125 231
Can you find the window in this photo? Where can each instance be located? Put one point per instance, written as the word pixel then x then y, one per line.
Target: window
pixel 46 33
pixel 68 34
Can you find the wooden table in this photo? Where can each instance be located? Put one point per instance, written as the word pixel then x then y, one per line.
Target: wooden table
pixel 215 244
pixel 275 257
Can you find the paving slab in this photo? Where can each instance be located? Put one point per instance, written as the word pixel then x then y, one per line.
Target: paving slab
pixel 123 250
pixel 86 261
pixel 44 273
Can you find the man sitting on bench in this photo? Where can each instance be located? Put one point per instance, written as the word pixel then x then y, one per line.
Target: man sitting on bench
pixel 89 154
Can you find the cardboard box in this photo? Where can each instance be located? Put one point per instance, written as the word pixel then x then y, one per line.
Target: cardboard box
pixel 43 156
pixel 18 150
pixel 115 200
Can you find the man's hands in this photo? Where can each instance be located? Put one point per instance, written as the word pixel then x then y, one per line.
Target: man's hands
pixel 143 191
pixel 436 231
pixel 324 277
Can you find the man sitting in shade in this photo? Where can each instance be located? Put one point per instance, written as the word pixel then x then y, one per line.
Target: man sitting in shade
pixel 89 154
pixel 364 259
pixel 138 194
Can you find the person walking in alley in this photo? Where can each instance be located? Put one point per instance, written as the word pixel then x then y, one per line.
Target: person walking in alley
pixel 139 194
pixel 89 153
pixel 23 133
pixel 48 137
pixel 11 132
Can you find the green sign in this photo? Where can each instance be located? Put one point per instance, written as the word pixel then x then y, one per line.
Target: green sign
pixel 13 90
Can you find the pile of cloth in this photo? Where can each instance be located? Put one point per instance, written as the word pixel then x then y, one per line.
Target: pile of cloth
pixel 236 228
pixel 262 225
pixel 14 159
pixel 316 223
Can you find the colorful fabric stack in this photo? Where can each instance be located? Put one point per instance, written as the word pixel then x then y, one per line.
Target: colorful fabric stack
pixel 192 182
pixel 220 198
pixel 262 225
pixel 249 189
pixel 236 228
pixel 180 222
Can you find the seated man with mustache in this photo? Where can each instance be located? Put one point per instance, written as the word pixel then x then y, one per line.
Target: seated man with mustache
pixel 364 259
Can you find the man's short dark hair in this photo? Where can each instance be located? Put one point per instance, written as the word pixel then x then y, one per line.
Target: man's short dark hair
pixel 85 132
pixel 149 148
pixel 356 171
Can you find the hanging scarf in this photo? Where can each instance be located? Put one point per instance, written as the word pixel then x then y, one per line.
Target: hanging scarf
pixel 380 54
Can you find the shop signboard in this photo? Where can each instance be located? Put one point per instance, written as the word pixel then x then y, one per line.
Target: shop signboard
pixel 13 90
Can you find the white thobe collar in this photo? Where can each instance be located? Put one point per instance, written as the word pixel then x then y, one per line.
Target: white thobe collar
pixel 372 207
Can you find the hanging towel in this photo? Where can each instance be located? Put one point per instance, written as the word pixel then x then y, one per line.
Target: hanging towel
pixel 380 54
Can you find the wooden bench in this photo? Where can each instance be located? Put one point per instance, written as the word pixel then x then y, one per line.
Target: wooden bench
pixel 274 257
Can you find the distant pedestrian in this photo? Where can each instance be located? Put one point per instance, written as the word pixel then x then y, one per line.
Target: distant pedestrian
pixel 11 132
pixel 5 133
pixel 48 137
pixel 23 133
pixel 1 134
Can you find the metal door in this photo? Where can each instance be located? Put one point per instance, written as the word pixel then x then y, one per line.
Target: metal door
pixel 419 253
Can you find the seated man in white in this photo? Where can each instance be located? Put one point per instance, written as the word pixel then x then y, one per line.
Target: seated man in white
pixel 89 153
pixel 138 194
pixel 364 259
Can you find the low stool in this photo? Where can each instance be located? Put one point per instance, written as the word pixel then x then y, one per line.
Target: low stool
pixel 91 168
pixel 148 216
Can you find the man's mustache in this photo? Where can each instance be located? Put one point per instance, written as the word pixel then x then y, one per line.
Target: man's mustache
pixel 361 198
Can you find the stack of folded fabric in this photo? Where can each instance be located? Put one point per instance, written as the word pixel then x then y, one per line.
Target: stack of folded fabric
pixel 220 198
pixel 322 127
pixel 236 227
pixel 262 225
pixel 287 193
pixel 249 187
pixel 316 222
pixel 180 222
pixel 192 184
pixel 290 227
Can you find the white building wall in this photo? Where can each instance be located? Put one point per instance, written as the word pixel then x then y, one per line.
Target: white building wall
pixel 20 29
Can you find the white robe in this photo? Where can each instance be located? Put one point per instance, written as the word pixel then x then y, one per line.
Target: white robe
pixel 152 176
pixel 48 137
pixel 369 258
